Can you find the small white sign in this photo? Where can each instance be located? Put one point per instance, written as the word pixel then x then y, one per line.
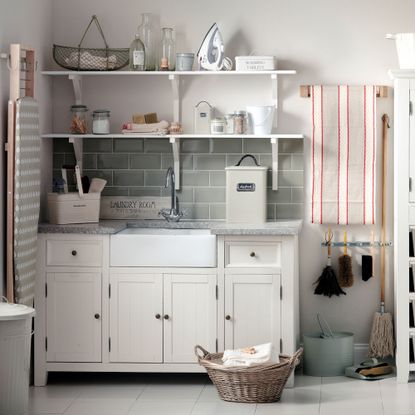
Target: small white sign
pixel 125 207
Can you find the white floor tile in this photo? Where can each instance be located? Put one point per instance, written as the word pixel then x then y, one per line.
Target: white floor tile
pixel 100 407
pixel 51 399
pixel 301 381
pixel 162 407
pixel 223 408
pixel 108 392
pixel 209 394
pixel 349 405
pixel 171 392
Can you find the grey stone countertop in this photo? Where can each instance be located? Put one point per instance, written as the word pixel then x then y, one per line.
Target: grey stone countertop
pixel 109 227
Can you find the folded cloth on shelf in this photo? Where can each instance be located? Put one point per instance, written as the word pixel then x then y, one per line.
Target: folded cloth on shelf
pixel 89 61
pixel 343 154
pixel 262 353
pixel 159 127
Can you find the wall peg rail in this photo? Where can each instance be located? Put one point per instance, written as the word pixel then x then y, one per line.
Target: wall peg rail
pixel 381 91
pixel 358 244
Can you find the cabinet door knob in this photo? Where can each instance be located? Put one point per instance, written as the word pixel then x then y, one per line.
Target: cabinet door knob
pixel 227 317
pixel 166 317
pixel 157 316
pixel 97 316
pixel 74 252
pixel 252 254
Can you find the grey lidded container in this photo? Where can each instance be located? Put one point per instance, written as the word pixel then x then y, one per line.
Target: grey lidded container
pixel 328 355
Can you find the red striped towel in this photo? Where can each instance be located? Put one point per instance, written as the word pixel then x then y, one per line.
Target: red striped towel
pixel 343 152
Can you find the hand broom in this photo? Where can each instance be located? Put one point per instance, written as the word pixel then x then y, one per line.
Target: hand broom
pixel 382 342
pixel 327 283
pixel 345 266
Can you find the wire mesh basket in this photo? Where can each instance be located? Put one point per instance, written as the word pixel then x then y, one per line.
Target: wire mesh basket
pixel 91 59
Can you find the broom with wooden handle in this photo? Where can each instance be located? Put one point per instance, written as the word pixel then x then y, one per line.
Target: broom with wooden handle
pixel 382 342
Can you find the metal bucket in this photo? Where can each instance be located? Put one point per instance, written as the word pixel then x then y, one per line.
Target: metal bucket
pixel 328 353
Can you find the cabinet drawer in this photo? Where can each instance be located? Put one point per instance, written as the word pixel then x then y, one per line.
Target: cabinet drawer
pixel 74 253
pixel 252 254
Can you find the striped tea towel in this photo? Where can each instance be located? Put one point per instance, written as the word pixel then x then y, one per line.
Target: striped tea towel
pixel 343 152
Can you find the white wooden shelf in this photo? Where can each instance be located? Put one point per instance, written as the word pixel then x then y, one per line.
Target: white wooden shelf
pixel 77 141
pixel 174 77
pixel 168 73
pixel 412 297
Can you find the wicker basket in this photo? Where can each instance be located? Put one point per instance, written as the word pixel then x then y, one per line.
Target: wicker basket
pixel 91 59
pixel 254 384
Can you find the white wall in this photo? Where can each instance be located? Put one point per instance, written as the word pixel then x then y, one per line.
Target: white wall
pixel 27 22
pixel 327 41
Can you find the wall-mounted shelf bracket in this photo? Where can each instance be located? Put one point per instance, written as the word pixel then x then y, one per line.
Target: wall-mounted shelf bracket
pixel 175 85
pixel 77 87
pixel 274 153
pixel 77 143
pixel 175 145
pixel 274 89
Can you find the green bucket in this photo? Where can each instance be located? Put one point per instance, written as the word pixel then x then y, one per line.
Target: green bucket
pixel 328 354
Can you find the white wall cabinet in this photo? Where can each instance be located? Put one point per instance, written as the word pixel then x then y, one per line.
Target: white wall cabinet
pixel 96 317
pixel 73 309
pixel 252 310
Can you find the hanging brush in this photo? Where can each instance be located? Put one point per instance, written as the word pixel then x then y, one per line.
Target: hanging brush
pixel 327 283
pixel 345 266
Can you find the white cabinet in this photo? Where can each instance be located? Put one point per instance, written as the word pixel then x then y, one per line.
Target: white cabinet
pixel 96 317
pixel 136 325
pixel 155 313
pixel 189 315
pixel 73 309
pixel 252 310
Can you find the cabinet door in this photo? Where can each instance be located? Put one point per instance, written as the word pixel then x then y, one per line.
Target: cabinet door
pixel 189 315
pixel 136 324
pixel 252 310
pixel 73 317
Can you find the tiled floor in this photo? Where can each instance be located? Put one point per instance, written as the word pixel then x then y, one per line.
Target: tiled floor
pixel 194 394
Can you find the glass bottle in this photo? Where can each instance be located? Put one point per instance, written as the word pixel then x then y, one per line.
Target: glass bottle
pixel 137 55
pixel 146 34
pixel 167 59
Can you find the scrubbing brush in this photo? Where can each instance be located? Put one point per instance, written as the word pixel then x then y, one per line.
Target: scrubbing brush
pixel 345 266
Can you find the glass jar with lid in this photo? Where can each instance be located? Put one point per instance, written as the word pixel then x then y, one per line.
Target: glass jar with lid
pixel 78 119
pixel 101 122
pixel 241 122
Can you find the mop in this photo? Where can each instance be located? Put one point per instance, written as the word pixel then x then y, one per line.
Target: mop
pixel 327 283
pixel 382 343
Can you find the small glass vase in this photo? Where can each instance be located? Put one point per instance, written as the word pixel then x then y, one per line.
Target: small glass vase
pixel 167 58
pixel 146 34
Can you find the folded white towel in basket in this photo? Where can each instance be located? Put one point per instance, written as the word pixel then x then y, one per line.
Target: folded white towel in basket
pixel 262 353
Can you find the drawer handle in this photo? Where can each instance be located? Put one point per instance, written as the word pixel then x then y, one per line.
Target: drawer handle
pixel 166 317
pixel 252 254
pixel 96 316
pixel 74 252
pixel 157 316
pixel 227 317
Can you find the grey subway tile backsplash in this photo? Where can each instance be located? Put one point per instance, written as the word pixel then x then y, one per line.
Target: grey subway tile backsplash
pixel 137 167
pixel 145 161
pixel 129 178
pixel 128 145
pixel 112 161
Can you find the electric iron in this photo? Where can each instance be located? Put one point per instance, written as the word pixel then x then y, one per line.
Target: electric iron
pixel 211 52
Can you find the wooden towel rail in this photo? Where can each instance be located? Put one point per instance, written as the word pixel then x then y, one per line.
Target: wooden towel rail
pixel 381 91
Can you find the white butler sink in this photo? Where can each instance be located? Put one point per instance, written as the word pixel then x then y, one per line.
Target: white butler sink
pixel 150 247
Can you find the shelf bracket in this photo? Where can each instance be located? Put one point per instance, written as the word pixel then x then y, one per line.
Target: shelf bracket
pixel 274 153
pixel 175 144
pixel 77 143
pixel 274 97
pixel 175 85
pixel 77 88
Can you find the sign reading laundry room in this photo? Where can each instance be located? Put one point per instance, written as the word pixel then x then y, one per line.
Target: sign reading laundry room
pixel 120 207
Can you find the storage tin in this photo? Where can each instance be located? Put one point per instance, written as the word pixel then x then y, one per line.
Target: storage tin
pixel 255 63
pixel 184 61
pixel 246 193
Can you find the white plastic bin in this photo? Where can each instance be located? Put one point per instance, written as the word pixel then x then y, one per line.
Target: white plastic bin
pixel 15 334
